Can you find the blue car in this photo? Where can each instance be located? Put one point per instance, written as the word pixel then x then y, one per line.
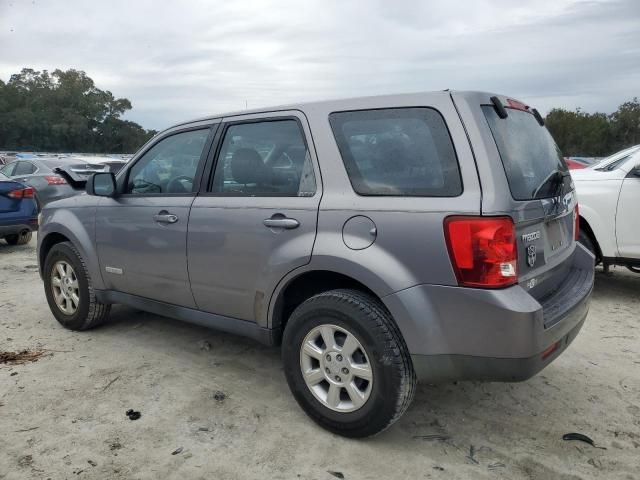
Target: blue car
pixel 18 211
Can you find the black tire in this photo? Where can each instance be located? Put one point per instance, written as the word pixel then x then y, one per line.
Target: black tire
pixel 21 238
pixel 394 379
pixel 90 313
pixel 585 239
pixel 633 269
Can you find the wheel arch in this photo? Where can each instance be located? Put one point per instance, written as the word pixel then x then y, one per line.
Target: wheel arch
pixel 63 226
pixel 301 285
pixel 586 227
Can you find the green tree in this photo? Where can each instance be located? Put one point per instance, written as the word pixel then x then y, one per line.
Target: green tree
pixel 64 111
pixel 626 123
pixel 595 134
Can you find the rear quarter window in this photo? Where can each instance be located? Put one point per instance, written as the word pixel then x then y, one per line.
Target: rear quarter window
pixel 397 152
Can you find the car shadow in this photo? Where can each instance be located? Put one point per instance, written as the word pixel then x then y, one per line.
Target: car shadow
pixel 619 284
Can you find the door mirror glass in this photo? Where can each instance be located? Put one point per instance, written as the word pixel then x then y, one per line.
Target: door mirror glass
pixel 102 184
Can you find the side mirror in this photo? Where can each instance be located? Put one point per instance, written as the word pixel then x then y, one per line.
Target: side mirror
pixel 102 184
pixel 636 171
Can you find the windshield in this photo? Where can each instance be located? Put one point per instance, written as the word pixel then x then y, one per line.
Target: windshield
pixel 613 161
pixel 532 161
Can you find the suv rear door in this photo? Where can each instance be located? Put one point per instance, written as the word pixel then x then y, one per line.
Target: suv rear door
pixel 255 220
pixel 141 235
pixel 523 175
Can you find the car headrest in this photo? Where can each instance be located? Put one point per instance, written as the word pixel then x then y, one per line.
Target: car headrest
pixel 247 166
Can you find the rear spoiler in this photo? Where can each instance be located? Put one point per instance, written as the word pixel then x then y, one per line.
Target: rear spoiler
pixel 76 181
pixel 502 111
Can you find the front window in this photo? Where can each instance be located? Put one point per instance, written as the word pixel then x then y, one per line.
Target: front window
pixel 170 166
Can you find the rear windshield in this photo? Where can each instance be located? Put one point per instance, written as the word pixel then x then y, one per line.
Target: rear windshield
pixel 399 152
pixel 614 161
pixel 530 157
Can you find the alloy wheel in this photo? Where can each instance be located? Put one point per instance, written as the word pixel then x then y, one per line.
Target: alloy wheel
pixel 336 368
pixel 65 287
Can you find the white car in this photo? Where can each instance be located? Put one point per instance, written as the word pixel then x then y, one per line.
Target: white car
pixel 609 198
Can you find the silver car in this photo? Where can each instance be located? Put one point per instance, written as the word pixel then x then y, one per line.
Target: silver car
pixel 378 240
pixel 43 176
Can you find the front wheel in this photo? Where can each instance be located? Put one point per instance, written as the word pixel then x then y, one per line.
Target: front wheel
pixel 68 289
pixel 347 364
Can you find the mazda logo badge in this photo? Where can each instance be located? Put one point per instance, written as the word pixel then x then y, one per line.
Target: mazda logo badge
pixel 531 255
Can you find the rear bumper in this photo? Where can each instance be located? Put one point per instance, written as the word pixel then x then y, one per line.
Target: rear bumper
pixel 20 226
pixel 458 333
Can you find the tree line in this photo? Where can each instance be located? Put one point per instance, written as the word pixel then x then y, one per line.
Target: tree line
pixel 579 133
pixel 64 111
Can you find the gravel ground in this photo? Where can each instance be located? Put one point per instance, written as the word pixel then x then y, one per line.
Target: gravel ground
pixel 217 406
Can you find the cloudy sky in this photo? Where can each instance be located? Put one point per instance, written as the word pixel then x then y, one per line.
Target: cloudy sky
pixel 177 60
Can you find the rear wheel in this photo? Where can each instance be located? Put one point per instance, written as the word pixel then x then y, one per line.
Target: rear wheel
pixel 21 238
pixel 347 364
pixel 68 289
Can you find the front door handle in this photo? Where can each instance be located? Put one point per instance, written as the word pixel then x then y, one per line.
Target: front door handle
pixel 280 221
pixel 165 217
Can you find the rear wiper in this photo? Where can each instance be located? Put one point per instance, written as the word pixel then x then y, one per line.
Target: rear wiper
pixel 557 183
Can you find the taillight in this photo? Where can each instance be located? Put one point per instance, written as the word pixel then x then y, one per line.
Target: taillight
pixel 55 180
pixel 576 223
pixel 22 193
pixel 482 250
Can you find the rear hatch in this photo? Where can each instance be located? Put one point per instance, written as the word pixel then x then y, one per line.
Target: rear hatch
pixel 543 202
pixel 86 169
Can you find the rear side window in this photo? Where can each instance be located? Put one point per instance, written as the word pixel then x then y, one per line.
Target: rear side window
pixel 24 168
pixel 261 159
pixel 529 155
pixel 397 152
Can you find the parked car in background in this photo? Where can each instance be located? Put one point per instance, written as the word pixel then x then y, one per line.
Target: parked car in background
pixel 577 163
pixel 18 211
pixel 40 174
pixel 609 196
pixel 114 164
pixel 439 243
pixel 574 165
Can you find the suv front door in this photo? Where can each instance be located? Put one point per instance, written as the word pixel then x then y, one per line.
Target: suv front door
pixel 141 234
pixel 256 221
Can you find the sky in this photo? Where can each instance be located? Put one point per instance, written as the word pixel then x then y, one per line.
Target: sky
pixel 178 60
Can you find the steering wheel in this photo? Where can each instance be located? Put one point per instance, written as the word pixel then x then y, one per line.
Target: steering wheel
pixel 176 184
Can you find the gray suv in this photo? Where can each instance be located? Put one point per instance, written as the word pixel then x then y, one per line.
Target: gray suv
pixel 377 240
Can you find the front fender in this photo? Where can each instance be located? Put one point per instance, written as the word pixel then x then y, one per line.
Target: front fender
pixel 603 228
pixel 77 225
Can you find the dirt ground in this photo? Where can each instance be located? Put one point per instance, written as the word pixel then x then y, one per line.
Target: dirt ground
pixel 226 405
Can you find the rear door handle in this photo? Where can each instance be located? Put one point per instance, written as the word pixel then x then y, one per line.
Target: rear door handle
pixel 280 221
pixel 165 217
